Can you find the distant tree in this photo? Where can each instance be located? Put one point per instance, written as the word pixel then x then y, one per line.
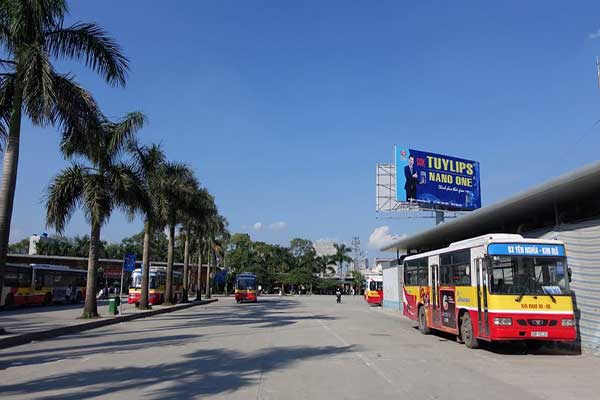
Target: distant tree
pixel 323 265
pixel 341 254
pixel 358 280
pixel 20 247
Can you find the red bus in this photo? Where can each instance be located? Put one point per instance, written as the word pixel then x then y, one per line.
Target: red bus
pixel 496 287
pixel 156 292
pixel 41 284
pixel 246 287
pixel 374 289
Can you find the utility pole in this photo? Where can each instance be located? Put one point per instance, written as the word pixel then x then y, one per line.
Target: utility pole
pixel 357 253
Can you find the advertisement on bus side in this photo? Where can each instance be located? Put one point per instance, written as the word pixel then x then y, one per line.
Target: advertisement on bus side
pixel 437 180
pixel 448 308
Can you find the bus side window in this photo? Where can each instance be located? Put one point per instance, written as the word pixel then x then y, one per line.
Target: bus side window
pixel 11 277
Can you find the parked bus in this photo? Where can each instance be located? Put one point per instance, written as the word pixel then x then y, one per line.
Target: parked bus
pixel 157 284
pixel 41 284
pixel 245 287
pixel 497 287
pixel 374 289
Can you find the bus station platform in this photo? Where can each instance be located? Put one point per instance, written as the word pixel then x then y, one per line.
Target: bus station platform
pixel 27 324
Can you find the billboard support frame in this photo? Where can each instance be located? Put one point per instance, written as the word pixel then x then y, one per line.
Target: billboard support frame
pixel 388 207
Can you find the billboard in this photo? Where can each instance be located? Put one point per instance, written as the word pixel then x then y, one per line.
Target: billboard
pixel 437 180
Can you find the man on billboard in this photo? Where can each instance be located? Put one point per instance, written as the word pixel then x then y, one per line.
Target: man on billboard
pixel 410 184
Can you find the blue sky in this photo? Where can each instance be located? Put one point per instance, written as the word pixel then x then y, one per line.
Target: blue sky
pixel 284 108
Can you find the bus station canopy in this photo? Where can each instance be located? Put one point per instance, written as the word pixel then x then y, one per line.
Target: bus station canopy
pixel 574 196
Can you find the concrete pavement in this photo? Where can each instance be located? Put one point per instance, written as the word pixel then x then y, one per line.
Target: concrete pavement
pixel 284 348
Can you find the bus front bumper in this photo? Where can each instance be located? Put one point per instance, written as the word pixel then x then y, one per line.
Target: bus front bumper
pixel 245 296
pixel 517 326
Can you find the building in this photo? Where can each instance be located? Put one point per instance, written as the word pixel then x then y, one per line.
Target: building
pixel 566 208
pixel 34 240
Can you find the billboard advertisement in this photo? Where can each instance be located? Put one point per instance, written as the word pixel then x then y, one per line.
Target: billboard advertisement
pixel 436 180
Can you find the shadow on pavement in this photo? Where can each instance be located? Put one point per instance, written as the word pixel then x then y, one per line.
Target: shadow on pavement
pixel 514 348
pixel 41 356
pixel 274 313
pixel 204 372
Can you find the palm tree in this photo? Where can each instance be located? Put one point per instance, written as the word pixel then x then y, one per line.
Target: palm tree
pixel 217 227
pixel 200 229
pixel 98 187
pixel 33 34
pixel 177 184
pixel 199 204
pixel 150 162
pixel 341 254
pixel 323 264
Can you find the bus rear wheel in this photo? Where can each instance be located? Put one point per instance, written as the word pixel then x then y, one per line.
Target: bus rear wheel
pixel 423 322
pixel 9 301
pixel 466 332
pixel 48 299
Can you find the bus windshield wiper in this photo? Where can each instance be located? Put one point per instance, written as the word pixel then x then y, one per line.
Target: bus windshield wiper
pixel 520 297
pixel 549 294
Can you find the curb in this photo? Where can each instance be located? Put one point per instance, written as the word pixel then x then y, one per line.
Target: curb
pixel 25 338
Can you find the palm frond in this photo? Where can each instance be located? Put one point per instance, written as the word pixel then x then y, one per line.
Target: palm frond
pixel 90 42
pixel 129 193
pixel 27 20
pixel 36 78
pixel 6 104
pixel 79 116
pixel 97 200
pixel 122 133
pixel 63 195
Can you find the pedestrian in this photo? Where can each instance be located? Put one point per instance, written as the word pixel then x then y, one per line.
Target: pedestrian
pixel 68 294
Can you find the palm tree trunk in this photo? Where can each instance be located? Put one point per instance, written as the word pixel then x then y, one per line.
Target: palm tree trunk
pixel 199 277
pixel 9 178
pixel 208 270
pixel 90 309
pixel 186 261
pixel 169 280
pixel 145 269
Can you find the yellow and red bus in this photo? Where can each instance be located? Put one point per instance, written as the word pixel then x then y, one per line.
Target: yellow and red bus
pixel 246 287
pixel 496 287
pixel 374 289
pixel 157 284
pixel 42 284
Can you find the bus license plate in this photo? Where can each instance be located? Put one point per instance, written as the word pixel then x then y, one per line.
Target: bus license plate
pixel 539 334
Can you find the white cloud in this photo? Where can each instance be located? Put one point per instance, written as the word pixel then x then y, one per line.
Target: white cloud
pixel 278 226
pixel 381 237
pixel 594 35
pixel 257 226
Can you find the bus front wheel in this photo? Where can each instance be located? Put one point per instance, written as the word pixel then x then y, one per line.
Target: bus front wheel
pixel 466 332
pixel 9 301
pixel 423 322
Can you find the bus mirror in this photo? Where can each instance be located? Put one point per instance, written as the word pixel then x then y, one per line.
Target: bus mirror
pixel 569 273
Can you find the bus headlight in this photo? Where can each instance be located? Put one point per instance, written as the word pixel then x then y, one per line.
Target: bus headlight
pixel 503 321
pixel 568 322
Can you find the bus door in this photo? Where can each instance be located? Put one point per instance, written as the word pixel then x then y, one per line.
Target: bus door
pixel 482 299
pixel 435 294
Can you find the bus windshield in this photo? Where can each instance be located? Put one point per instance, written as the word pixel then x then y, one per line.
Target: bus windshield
pixel 374 285
pixel 136 280
pixel 522 275
pixel 246 283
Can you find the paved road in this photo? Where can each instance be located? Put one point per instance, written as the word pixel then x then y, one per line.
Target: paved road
pixel 284 348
